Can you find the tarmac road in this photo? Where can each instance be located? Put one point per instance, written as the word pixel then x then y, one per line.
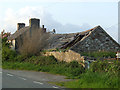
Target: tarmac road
pixel 13 81
pixel 28 79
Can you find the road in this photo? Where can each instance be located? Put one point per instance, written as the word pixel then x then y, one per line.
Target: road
pixel 29 79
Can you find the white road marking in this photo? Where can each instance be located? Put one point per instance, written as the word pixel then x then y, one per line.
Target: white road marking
pixel 10 75
pixel 0 72
pixel 37 82
pixel 22 78
pixel 55 87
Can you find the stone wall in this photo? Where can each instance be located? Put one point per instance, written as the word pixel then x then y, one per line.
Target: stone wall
pixel 67 56
pixel 96 40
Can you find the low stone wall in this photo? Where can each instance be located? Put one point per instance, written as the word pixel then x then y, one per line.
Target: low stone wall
pixel 67 56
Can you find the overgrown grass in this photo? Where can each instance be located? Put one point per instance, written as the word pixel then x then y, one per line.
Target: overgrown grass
pixel 20 66
pixel 93 80
pixel 48 64
pixel 99 54
pixel 101 74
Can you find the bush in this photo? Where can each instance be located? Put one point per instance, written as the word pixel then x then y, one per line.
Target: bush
pixel 42 60
pixel 76 71
pixel 20 58
pixel 74 68
pixel 4 44
pixel 7 54
pixel 73 64
pixel 105 66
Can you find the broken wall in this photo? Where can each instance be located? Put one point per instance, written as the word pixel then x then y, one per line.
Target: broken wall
pixel 67 56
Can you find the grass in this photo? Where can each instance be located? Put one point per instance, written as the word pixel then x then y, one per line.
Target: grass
pixel 20 66
pixel 92 80
pixel 57 68
pixel 99 54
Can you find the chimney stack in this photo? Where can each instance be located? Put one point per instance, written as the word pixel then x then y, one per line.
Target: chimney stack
pixel 20 25
pixel 33 22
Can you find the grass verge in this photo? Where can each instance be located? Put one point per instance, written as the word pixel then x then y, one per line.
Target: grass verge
pixel 92 80
pixel 57 68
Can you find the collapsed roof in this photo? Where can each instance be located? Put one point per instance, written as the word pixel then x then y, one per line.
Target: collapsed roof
pixel 67 40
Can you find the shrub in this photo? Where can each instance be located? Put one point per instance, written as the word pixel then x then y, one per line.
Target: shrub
pixel 7 54
pixel 105 66
pixel 42 60
pixel 73 64
pixel 74 68
pixel 76 71
pixel 4 44
pixel 20 58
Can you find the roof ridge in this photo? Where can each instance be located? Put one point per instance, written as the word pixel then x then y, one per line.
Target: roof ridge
pixel 18 32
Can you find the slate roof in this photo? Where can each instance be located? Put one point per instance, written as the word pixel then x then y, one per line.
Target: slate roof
pixel 18 33
pixel 66 40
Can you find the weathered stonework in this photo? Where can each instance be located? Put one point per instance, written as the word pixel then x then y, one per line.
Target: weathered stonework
pixel 96 40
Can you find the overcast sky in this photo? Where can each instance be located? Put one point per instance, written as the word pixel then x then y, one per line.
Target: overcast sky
pixel 66 16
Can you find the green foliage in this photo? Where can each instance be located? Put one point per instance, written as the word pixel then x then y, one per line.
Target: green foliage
pixel 99 54
pixel 93 80
pixel 42 60
pixel 20 66
pixel 4 44
pixel 4 39
pixel 7 54
pixel 20 58
pixel 73 64
pixel 105 66
pixel 57 49
pixel 76 71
